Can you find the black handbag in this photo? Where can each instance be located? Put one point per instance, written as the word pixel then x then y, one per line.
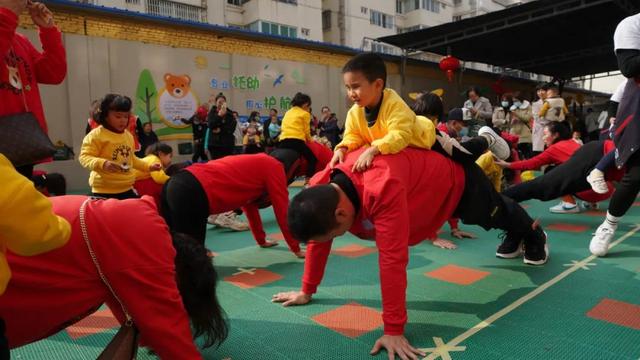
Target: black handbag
pixel 124 345
pixel 22 140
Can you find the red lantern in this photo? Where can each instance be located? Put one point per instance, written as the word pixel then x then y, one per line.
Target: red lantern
pixel 449 64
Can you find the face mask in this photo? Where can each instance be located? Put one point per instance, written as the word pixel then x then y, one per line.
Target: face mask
pixel 505 104
pixel 517 104
pixel 463 132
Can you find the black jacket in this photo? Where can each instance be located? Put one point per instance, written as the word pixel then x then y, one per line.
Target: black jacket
pixel 221 128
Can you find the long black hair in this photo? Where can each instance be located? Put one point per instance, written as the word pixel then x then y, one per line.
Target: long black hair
pixel 197 278
pixel 157 148
pixel 560 128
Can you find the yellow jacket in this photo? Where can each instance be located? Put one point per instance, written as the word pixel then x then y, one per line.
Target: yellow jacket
pixel 101 145
pixel 28 226
pixel 395 129
pixel 158 176
pixel 296 124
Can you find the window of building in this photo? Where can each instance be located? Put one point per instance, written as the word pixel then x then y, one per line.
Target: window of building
pixel 457 18
pixel 457 2
pixel 399 7
pixel 326 20
pixel 237 2
pixel 176 10
pixel 364 10
pixel 381 19
pixel 292 2
pixel 135 2
pixel 431 5
pixel 269 28
pixel 305 31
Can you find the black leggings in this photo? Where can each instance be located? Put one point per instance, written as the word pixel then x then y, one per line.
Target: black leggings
pixel 184 205
pixel 475 146
pixel 628 188
pixel 482 205
pixel 301 147
pixel 198 152
pixel 130 194
pixel 218 152
pixel 567 178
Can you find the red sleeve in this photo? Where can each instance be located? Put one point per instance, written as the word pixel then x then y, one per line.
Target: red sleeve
pixel 152 299
pixel 453 223
pixel 389 212
pixel 50 64
pixel 8 25
pixel 545 158
pixel 315 263
pixel 255 223
pixel 279 196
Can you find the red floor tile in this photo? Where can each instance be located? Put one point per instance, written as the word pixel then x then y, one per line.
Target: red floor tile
pixel 598 213
pixel 567 227
pixel 354 251
pixel 457 274
pixel 252 278
pixel 350 320
pixel 98 322
pixel 617 312
pixel 275 237
pixel 637 203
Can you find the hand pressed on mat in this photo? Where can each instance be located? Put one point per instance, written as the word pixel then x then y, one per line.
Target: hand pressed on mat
pixel 396 345
pixel 291 298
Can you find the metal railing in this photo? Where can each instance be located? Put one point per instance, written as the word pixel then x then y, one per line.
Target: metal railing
pixel 176 10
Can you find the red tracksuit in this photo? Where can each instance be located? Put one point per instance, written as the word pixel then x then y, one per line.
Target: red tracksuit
pixel 20 60
pixel 51 291
pixel 405 198
pixel 554 154
pixel 238 181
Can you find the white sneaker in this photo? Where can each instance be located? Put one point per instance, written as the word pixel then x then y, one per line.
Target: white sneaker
pixel 230 220
pixel 497 144
pixel 565 208
pixel 597 181
pixel 600 241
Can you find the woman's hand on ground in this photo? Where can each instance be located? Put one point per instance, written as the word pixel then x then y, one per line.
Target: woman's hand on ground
pixel 397 345
pixel 291 298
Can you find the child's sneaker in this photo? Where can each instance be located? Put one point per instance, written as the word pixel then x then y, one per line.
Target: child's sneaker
pixel 565 208
pixel 600 241
pixel 497 145
pixel 230 220
pixel 511 246
pixel 536 249
pixel 590 205
pixel 597 181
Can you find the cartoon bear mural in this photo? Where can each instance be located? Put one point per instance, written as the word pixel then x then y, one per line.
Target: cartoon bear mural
pixel 177 100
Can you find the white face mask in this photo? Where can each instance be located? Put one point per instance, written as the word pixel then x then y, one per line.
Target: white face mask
pixel 505 104
pixel 517 104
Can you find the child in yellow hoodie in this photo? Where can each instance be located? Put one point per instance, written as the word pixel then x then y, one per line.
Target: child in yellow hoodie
pixel 379 118
pixel 28 226
pixel 108 151
pixel 295 131
pixel 150 183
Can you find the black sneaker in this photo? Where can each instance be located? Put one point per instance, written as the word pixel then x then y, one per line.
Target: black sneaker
pixel 510 247
pixel 536 250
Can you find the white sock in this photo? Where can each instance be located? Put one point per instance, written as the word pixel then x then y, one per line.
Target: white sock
pixel 611 220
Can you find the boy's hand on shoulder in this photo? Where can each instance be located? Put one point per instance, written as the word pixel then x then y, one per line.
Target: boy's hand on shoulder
pixel 338 157
pixel 155 167
pixel 365 159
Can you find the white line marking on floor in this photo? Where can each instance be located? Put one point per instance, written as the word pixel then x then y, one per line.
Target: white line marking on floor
pixel 537 291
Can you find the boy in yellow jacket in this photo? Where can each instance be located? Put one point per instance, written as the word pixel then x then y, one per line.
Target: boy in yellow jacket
pixel 28 226
pixel 379 118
